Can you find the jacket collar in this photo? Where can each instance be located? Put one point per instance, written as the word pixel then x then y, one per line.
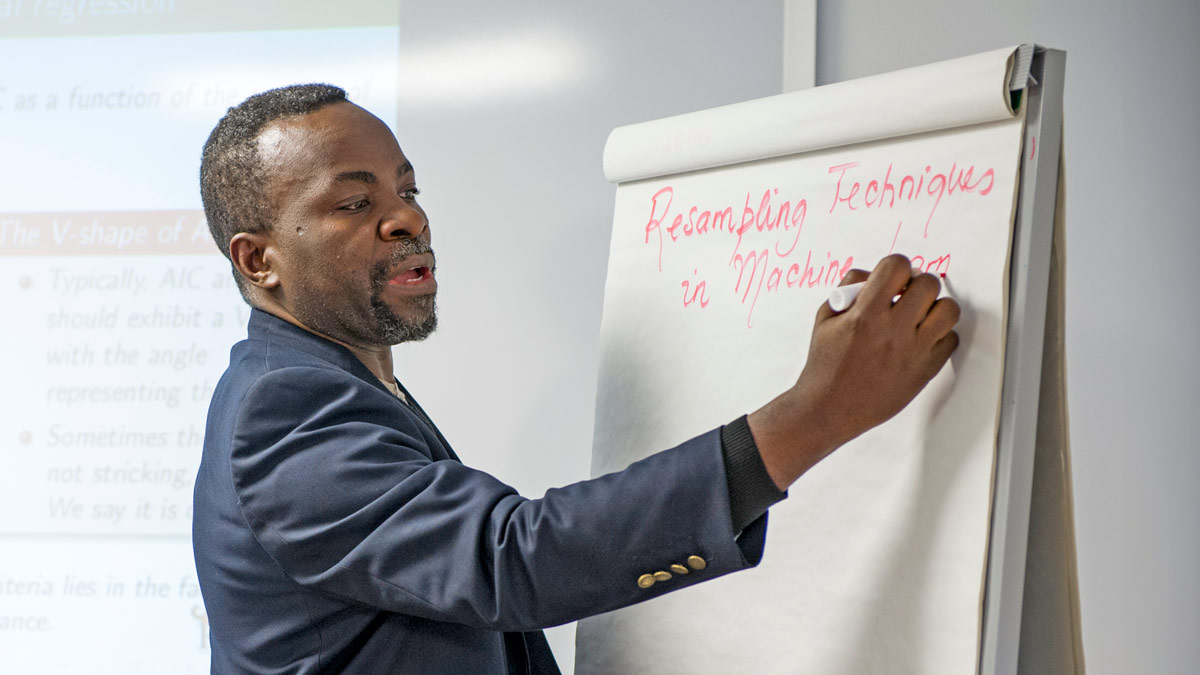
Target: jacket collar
pixel 270 328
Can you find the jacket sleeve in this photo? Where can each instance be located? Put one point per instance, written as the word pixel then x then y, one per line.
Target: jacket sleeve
pixel 338 486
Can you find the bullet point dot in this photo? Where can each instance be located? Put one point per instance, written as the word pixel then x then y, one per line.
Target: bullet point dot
pixel 26 437
pixel 25 282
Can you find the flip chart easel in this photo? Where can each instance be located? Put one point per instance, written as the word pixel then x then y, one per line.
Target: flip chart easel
pixel 941 542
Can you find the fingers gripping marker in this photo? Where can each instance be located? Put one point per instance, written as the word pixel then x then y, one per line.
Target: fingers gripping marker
pixel 843 296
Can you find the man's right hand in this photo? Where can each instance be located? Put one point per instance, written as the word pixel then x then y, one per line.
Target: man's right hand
pixel 864 365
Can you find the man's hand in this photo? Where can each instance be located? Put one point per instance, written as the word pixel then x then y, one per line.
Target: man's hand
pixel 864 365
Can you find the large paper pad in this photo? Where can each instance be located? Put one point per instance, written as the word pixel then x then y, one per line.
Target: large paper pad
pixel 875 562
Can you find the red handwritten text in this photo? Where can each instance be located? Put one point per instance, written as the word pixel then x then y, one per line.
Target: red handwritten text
pixel 851 193
pixel 767 216
pixel 693 293
pixel 756 267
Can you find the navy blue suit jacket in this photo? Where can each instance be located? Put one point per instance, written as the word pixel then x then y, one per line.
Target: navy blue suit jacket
pixel 335 531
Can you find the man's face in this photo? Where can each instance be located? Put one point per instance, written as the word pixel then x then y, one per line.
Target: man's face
pixel 351 244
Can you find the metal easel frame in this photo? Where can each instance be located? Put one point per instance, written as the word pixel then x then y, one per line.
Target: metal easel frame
pixel 1029 274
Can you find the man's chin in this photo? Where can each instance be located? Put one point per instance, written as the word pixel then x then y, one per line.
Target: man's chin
pixel 409 327
pixel 416 334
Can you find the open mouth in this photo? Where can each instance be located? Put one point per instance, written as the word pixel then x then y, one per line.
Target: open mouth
pixel 413 275
pixel 417 270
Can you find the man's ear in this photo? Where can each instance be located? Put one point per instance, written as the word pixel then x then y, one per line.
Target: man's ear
pixel 252 257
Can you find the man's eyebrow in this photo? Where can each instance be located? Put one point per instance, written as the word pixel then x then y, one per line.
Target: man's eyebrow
pixel 368 177
pixel 356 177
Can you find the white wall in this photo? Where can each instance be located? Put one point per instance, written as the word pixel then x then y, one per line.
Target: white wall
pixel 504 110
pixel 1133 167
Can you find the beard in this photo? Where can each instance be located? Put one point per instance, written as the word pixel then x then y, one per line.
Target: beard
pixel 421 320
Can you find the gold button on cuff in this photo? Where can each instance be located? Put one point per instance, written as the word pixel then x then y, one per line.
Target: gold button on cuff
pixel 646 581
pixel 679 569
pixel 662 576
pixel 696 562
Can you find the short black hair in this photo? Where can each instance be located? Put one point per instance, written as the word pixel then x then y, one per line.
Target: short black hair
pixel 232 176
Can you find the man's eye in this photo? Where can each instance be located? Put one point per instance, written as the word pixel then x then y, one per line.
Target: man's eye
pixel 410 193
pixel 356 206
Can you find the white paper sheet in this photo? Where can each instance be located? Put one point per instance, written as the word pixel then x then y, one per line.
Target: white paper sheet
pixel 875 563
pixel 944 95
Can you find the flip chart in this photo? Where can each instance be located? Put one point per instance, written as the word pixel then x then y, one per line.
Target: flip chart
pixel 731 226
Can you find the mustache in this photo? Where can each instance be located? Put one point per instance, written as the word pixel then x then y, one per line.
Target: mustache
pixel 404 249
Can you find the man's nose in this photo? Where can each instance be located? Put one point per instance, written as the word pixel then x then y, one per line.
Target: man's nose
pixel 403 220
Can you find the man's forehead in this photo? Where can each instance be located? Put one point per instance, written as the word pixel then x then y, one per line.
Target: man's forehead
pixel 324 136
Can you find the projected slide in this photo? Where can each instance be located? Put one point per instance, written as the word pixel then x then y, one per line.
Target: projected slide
pixel 119 312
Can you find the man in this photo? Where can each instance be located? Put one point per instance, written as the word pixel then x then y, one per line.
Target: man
pixel 335 531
